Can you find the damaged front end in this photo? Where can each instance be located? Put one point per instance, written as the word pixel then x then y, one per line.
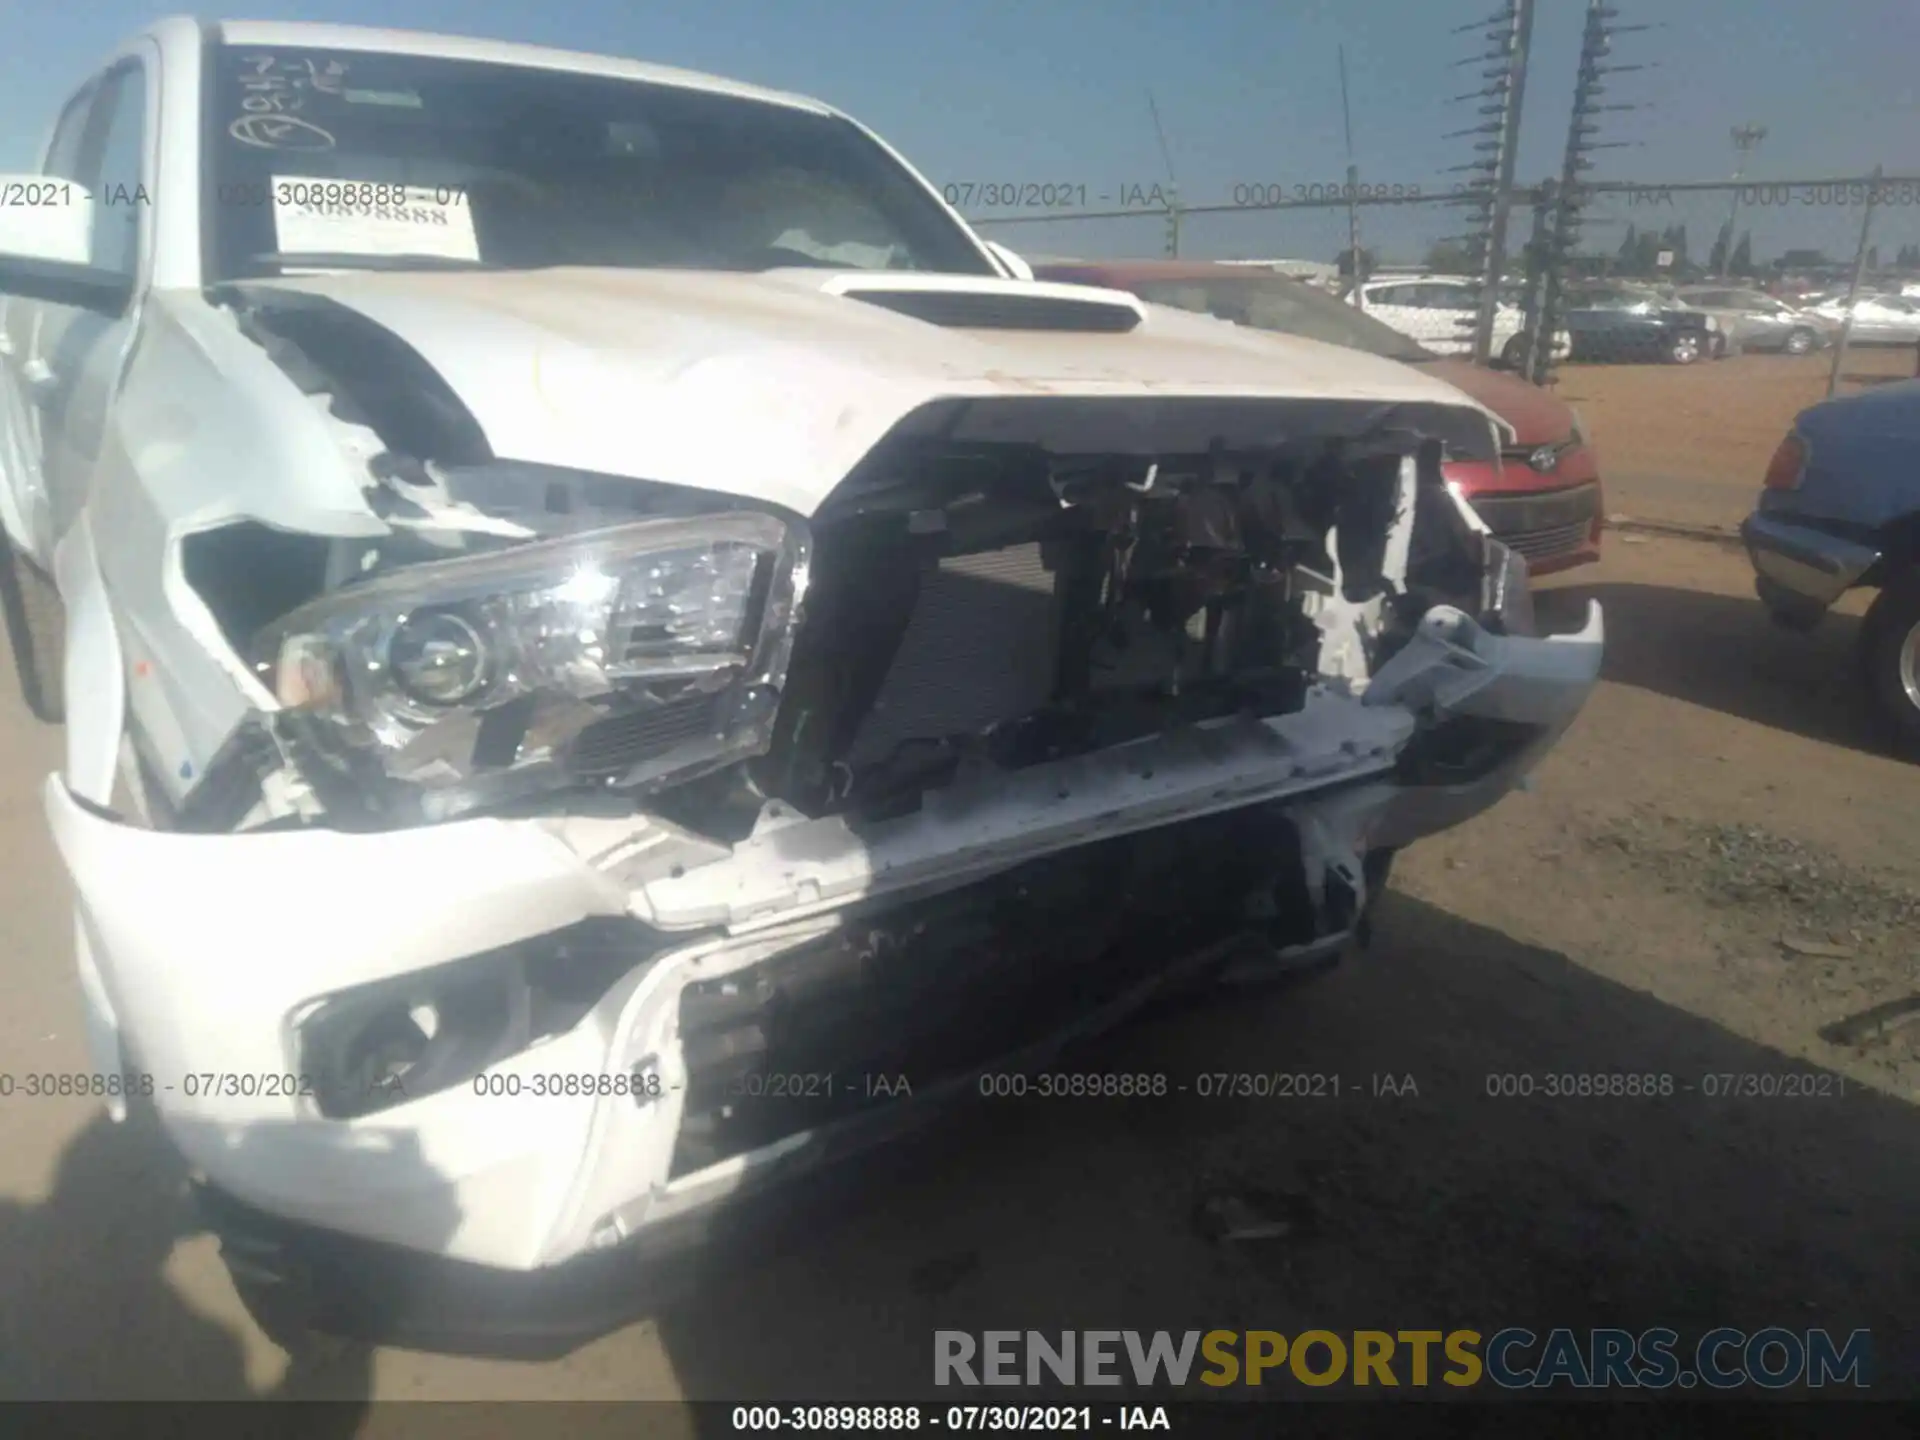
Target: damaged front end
pixel 700 815
pixel 535 632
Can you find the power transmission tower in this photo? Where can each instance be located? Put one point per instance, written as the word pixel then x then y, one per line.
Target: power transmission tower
pixel 1570 195
pixel 1353 180
pixel 1173 185
pixel 1509 36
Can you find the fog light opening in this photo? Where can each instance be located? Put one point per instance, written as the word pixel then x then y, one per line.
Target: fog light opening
pixel 369 1052
pixel 384 1044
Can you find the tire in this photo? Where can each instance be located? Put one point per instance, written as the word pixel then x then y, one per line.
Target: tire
pixel 37 631
pixel 1800 341
pixel 1685 348
pixel 1514 353
pixel 1890 650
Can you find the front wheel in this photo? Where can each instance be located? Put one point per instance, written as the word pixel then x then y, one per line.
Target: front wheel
pixel 37 630
pixel 1514 353
pixel 1684 348
pixel 1891 651
pixel 1801 342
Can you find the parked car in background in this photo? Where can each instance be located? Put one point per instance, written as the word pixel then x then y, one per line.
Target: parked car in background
pixel 1542 496
pixel 1616 321
pixel 1877 319
pixel 1753 321
pixel 1840 510
pixel 1439 311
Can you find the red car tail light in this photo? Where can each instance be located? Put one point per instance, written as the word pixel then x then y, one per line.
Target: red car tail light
pixel 1788 464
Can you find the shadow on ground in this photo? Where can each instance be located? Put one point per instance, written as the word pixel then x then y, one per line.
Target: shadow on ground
pixel 87 1311
pixel 1410 1197
pixel 1722 652
pixel 1441 1209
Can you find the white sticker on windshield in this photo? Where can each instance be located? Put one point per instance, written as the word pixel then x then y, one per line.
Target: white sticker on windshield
pixel 854 254
pixel 404 98
pixel 359 217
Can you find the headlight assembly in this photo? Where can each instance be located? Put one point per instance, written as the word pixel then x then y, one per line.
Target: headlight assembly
pixel 638 655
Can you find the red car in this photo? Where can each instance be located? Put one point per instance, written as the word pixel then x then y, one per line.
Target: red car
pixel 1543 498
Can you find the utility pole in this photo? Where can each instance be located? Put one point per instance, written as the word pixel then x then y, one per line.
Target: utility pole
pixel 1853 289
pixel 1539 267
pixel 1746 139
pixel 1173 185
pixel 1571 194
pixel 1509 37
pixel 1493 262
pixel 1353 180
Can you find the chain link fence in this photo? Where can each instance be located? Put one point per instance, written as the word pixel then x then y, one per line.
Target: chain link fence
pixel 1773 263
pixel 1796 240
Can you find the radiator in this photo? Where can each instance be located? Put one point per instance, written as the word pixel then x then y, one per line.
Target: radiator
pixel 982 646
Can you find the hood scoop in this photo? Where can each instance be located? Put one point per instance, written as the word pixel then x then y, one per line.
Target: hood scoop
pixel 959 303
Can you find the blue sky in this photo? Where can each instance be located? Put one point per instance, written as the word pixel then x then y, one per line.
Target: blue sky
pixel 1018 91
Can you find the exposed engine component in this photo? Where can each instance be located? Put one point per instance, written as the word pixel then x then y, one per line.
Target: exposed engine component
pixel 1005 606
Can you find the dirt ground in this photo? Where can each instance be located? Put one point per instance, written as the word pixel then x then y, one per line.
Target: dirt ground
pixel 1690 445
pixel 1717 867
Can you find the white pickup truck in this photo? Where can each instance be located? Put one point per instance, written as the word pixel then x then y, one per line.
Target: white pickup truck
pixel 613 651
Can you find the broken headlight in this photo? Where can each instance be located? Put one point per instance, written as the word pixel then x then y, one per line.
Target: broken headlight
pixel 634 655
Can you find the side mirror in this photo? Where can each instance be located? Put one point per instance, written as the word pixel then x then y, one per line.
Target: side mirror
pixel 46 233
pixel 1018 268
pixel 45 219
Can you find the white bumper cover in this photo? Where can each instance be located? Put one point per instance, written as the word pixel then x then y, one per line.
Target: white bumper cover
pixel 197 952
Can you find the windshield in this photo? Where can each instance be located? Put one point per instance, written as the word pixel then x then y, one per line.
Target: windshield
pixel 368 159
pixel 1273 302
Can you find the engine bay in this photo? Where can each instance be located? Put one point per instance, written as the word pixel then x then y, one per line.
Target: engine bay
pixel 957 601
pixel 1000 606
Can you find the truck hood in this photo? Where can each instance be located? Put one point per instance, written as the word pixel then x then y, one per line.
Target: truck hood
pixel 772 386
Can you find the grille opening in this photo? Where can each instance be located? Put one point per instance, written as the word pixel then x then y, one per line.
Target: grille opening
pixel 1012 608
pixel 1546 544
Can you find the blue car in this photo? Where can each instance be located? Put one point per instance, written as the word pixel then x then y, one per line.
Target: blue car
pixel 1840 511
